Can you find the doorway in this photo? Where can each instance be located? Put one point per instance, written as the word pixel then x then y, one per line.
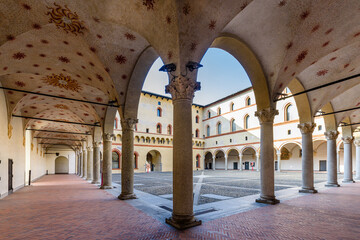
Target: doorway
pixel 322 165
pixel 246 165
pixel 61 165
pixel 10 175
pixel 235 165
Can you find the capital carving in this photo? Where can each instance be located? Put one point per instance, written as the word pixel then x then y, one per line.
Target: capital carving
pixel 357 142
pixel 348 139
pixel 108 136
pixel 96 144
pixel 182 88
pixel 128 124
pixel 266 115
pixel 89 149
pixel 307 127
pixel 331 135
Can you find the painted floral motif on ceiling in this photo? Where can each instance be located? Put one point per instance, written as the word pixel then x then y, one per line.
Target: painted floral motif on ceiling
pixel 64 18
pixel 149 4
pixel 62 81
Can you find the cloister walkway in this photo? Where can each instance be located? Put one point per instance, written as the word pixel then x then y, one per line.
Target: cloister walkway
pixel 67 207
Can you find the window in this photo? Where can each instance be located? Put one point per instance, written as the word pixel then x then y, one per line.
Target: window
pixel 289 132
pixel 246 121
pixel 158 128
pixel 246 138
pixel 135 161
pixel 208 131
pixel 115 123
pixel 197 133
pixel 197 111
pixel 319 127
pixel 288 115
pixel 233 125
pixel 248 101
pixel 198 161
pixel 232 106
pixel 216 142
pixel 197 119
pixel 219 128
pixel 147 130
pixel 169 129
pixel 219 111
pixel 159 103
pixel 135 128
pixel 115 160
pixel 287 90
pixel 159 112
pixel 230 140
pixel 209 114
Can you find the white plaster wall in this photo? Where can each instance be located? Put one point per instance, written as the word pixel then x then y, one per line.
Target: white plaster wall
pixel 294 163
pixel 51 156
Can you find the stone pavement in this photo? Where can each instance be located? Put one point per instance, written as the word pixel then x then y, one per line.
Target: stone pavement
pixel 67 207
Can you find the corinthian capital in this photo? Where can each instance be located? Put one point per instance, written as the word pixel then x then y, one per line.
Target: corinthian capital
pixel 331 135
pixel 357 142
pixel 182 88
pixel 307 127
pixel 96 144
pixel 89 149
pixel 108 136
pixel 128 124
pixel 348 139
pixel 266 115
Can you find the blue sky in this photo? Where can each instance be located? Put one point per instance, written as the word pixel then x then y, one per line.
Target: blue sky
pixel 221 76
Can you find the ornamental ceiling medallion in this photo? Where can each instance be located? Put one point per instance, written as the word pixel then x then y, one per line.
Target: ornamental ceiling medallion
pixel 62 81
pixel 65 19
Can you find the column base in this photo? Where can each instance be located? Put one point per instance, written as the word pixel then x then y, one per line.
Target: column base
pixel 89 179
pixel 271 201
pixel 303 190
pixel 106 187
pixel 127 196
pixel 348 181
pixel 95 182
pixel 182 222
pixel 332 185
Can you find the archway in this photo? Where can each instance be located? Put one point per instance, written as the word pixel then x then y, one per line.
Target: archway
pixel 290 156
pixel 220 160
pixel 61 165
pixel 248 158
pixel 153 161
pixel 320 155
pixel 208 160
pixel 233 159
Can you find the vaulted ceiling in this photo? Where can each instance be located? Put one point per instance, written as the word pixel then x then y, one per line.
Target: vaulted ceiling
pixel 88 50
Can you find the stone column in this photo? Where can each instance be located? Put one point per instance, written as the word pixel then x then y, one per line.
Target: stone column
pixel 226 162
pixel 357 163
pixel 213 168
pixel 240 161
pixel 257 162
pixel 331 167
pixel 182 91
pixel 90 163
pixel 96 163
pixel 81 163
pixel 279 161
pixel 307 157
pixel 107 161
pixel 127 163
pixel 348 174
pixel 84 162
pixel 266 119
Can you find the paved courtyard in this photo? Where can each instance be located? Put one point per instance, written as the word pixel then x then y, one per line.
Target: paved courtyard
pixel 213 186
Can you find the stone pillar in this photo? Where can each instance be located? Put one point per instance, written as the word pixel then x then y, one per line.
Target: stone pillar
pixel 257 162
pixel 96 163
pixel 331 167
pixel 90 163
pixel 127 163
pixel 213 168
pixel 226 162
pixel 240 161
pixel 266 119
pixel 307 157
pixel 84 162
pixel 182 90
pixel 348 173
pixel 81 164
pixel 357 163
pixel 279 161
pixel 107 161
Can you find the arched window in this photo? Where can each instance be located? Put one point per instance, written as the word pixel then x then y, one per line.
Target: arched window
pixel 288 113
pixel 197 119
pixel 198 161
pixel 115 123
pixel 197 133
pixel 219 111
pixel 246 121
pixel 232 106
pixel 159 112
pixel 115 160
pixel 169 129
pixel 158 128
pixel 135 128
pixel 233 125
pixel 208 131
pixel 219 128
pixel 248 101
pixel 135 160
pixel 209 114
